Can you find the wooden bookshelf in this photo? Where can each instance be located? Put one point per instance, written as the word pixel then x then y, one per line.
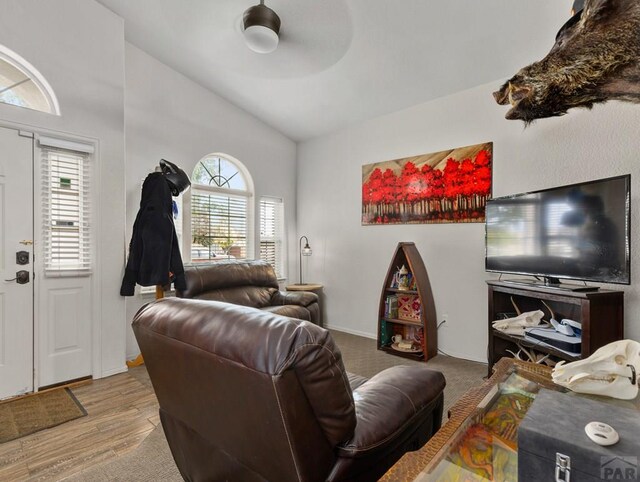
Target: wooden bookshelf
pixel 407 254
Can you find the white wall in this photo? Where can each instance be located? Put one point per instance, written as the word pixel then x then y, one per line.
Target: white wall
pixel 169 116
pixel 351 259
pixel 78 46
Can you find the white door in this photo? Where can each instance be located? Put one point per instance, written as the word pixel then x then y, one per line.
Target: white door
pixel 63 280
pixel 16 234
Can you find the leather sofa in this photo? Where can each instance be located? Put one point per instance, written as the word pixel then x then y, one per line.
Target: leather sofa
pixel 247 395
pixel 248 283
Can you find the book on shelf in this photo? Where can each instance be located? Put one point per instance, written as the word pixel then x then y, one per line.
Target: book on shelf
pixel 391 306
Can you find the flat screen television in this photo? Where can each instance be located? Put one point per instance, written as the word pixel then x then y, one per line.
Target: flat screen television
pixel 579 232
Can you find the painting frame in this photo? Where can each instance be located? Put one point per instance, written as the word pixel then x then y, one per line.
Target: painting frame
pixel 450 186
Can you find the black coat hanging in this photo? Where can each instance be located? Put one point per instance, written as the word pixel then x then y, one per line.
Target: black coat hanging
pixel 154 254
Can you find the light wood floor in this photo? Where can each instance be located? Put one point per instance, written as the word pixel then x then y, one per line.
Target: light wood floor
pixel 121 411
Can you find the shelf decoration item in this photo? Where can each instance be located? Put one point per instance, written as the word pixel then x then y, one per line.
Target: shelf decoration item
pixel 403 278
pixel 610 371
pixel 407 316
pixel 409 307
pixel 406 348
pixel 449 186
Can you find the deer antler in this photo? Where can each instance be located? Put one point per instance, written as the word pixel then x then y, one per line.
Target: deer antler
pixel 516 306
pixel 515 355
pixel 553 315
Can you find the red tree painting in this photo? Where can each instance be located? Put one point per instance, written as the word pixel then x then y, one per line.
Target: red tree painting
pixel 442 187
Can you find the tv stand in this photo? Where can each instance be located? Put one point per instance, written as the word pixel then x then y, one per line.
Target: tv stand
pixel 552 283
pixel 600 312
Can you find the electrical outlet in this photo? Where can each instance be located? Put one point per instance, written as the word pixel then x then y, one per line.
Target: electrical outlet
pixel 443 319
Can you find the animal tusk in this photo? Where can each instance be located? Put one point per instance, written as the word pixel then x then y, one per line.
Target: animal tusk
pixel 501 96
pixel 517 93
pixel 511 100
pixel 633 377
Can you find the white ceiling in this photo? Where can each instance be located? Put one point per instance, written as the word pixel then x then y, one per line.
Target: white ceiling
pixel 343 61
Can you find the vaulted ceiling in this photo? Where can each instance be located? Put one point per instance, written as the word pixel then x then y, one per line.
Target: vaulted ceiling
pixel 343 61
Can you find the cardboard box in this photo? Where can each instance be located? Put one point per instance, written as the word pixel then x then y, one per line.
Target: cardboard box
pixel 554 428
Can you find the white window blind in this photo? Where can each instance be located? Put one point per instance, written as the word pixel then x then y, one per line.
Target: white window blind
pixel 272 233
pixel 66 211
pixel 218 226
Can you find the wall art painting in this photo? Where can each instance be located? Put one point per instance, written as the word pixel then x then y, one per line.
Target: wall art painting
pixel 442 187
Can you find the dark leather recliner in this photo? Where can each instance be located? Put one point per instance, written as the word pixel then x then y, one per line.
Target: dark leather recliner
pixel 247 395
pixel 248 283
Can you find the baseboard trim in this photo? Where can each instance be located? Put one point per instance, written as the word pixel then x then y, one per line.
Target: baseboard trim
pixel 113 371
pixel 453 354
pixel 374 337
pixel 350 331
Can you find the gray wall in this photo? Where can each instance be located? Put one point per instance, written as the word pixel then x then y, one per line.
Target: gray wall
pixel 78 46
pixel 351 259
pixel 169 116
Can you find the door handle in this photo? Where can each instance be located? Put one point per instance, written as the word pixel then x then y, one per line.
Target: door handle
pixel 26 242
pixel 22 277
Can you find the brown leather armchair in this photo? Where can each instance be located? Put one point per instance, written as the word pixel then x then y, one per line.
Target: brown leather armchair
pixel 248 283
pixel 247 395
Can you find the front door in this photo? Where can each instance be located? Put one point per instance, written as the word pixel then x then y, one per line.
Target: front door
pixel 16 258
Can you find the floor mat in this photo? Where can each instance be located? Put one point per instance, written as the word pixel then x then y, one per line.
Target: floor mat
pixel 36 412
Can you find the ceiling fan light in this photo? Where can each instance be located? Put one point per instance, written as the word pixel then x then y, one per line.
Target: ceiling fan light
pixel 261 39
pixel 261 29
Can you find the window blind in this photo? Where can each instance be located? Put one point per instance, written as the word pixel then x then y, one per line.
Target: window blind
pixel 218 226
pixel 66 211
pixel 272 233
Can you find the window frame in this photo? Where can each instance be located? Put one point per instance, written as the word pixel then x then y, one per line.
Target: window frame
pixel 280 237
pixel 249 194
pixel 20 64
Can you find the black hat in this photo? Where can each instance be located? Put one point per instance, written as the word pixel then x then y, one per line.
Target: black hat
pixel 176 178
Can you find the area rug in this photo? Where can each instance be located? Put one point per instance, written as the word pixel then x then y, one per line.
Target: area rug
pixel 152 460
pixel 361 356
pixel 36 412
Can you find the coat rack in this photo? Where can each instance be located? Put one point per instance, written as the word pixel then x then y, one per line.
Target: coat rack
pixel 139 360
pixel 154 198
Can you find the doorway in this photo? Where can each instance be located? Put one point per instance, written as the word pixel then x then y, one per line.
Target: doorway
pixel 16 259
pixel 46 260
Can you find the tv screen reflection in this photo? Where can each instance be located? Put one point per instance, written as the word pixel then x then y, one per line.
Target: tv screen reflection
pixel 578 232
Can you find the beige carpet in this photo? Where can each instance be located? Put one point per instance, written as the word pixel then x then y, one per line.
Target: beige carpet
pixel 152 460
pixel 36 412
pixel 361 356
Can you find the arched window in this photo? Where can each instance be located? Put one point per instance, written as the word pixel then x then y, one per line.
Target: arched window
pixel 22 85
pixel 221 210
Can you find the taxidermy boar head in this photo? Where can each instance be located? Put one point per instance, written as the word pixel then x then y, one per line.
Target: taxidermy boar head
pixel 612 371
pixel 596 57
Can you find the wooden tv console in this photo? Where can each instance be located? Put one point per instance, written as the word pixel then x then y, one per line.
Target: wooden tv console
pixel 601 313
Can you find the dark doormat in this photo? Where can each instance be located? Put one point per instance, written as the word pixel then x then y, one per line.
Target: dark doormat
pixel 36 412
